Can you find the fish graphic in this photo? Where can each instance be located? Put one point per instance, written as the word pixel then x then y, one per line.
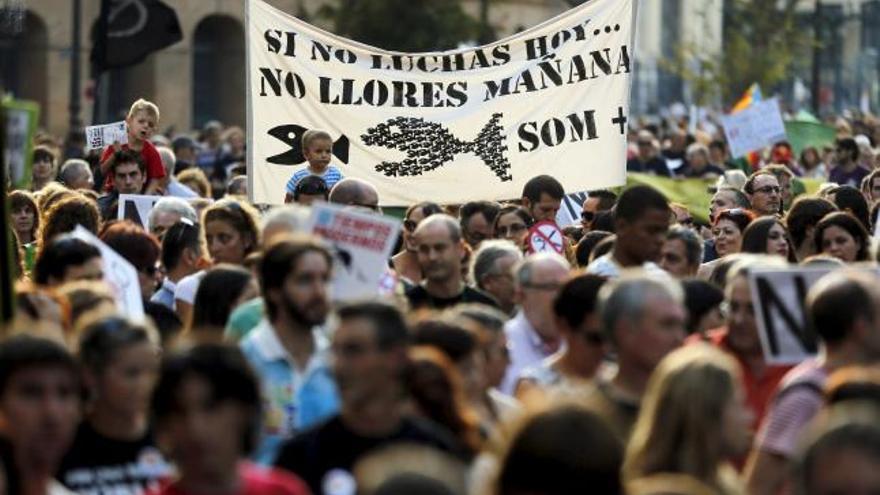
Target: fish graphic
pixel 291 135
pixel 429 145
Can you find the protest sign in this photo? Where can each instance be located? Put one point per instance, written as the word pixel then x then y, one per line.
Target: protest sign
pixel 570 211
pixel 19 127
pixel 120 275
pixel 545 237
pixel 137 208
pixel 751 129
pixel 361 243
pixel 99 137
pixel 474 123
pixel 778 296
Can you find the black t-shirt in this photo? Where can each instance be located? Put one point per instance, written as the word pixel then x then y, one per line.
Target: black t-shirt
pixel 97 465
pixel 419 298
pixel 326 454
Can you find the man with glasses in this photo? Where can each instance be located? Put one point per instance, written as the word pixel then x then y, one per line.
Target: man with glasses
pixel 601 200
pixel 532 334
pixel 476 221
pixel 167 212
pixel 287 350
pixel 369 350
pixel 764 193
pixel 440 249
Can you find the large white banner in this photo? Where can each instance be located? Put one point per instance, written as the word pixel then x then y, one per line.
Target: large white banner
pixel 475 123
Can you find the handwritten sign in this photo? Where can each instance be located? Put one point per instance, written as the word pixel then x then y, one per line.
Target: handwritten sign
pixel 756 127
pixel 101 136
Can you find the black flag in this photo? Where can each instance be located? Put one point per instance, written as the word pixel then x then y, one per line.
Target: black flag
pixel 129 30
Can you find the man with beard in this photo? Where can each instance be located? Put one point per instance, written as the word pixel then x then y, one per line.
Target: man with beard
pixel 287 351
pixel 440 249
pixel 370 346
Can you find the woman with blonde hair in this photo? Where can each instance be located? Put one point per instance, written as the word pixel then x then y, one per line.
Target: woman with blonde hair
pixel 692 421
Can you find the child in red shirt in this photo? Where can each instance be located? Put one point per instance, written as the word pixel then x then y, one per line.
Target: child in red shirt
pixel 143 117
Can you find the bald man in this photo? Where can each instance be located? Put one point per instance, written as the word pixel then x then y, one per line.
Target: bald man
pixel 440 249
pixel 355 192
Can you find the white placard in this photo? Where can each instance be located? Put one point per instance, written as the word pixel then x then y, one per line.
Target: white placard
pixel 137 208
pixel 468 124
pixel 101 136
pixel 756 127
pixel 361 242
pixel 546 237
pixel 120 275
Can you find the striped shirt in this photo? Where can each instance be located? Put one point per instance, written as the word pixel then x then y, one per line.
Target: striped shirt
pixel 331 176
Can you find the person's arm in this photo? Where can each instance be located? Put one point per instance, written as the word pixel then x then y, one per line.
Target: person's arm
pixel 153 187
pixel 108 161
pixel 184 311
pixel 765 473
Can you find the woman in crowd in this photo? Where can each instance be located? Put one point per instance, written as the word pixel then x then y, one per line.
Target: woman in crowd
pixel 840 235
pixel 207 411
pixel 231 230
pixel 65 215
pixel 405 263
pixel 224 288
pixel 115 450
pixel 811 164
pixel 44 167
pixel 512 223
pixel 25 218
pixel 727 231
pixel 139 248
pixel 692 420
pixel 767 235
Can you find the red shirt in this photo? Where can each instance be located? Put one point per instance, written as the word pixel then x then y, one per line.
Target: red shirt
pixel 255 480
pixel 155 169
pixel 759 389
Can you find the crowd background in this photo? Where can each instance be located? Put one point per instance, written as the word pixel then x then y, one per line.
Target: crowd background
pixel 628 363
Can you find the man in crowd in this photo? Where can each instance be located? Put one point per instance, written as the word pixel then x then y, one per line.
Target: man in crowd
pixel 647 160
pixel 698 165
pixel 847 171
pixel 355 192
pixel 492 271
pixel 801 222
pixel 532 334
pixel 643 318
pixel 181 257
pixel 641 220
pixel 67 259
pixel 168 211
pixel 369 356
pixel 842 308
pixel 476 221
pixel 39 411
pixel 76 174
pixel 871 186
pixel 170 184
pixel 542 197
pixel 440 249
pixel 129 175
pixel 682 252
pixel 727 198
pixel 597 201
pixel 764 193
pixel 286 349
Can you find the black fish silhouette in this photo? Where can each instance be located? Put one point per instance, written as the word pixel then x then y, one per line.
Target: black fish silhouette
pixel 291 135
pixel 429 145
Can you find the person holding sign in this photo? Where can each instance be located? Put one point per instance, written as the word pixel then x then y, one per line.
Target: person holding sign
pixel 142 119
pixel 317 148
pixel 129 173
pixel 842 309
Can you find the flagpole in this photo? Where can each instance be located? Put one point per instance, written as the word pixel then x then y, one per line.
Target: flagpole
pixel 74 106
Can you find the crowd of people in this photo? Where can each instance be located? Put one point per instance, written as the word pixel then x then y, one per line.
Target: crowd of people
pixel 629 362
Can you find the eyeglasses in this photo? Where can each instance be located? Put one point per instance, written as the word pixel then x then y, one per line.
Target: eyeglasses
pixel 510 229
pixel 769 189
pixel 588 216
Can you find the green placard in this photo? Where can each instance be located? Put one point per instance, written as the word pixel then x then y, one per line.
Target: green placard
pixel 20 126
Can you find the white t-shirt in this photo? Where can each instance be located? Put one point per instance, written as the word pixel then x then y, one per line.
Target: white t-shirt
pixel 187 287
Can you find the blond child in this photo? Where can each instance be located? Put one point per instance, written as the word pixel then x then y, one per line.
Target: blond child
pixel 317 148
pixel 143 117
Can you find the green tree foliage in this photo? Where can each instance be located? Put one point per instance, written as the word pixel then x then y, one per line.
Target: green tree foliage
pixel 404 25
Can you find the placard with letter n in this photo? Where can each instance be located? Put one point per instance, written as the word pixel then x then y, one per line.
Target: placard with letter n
pixel 779 299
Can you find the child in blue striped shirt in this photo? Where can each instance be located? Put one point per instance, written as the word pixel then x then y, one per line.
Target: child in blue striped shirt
pixel 317 148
